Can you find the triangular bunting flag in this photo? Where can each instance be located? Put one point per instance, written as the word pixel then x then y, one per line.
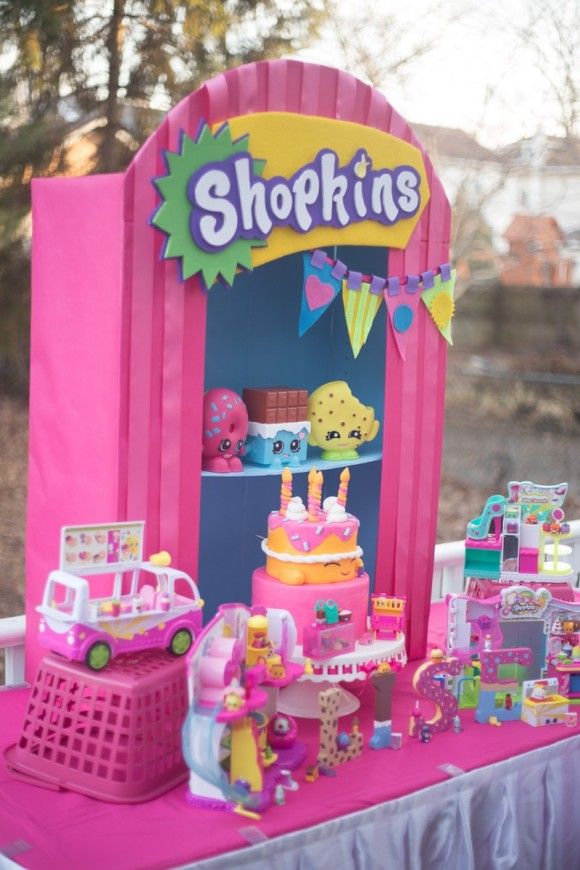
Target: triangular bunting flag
pixel 320 288
pixel 401 302
pixel 360 310
pixel 439 301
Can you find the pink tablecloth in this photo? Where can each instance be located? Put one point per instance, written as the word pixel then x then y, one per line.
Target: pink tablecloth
pixel 50 830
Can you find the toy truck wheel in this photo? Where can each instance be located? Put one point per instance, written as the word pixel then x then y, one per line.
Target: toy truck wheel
pixel 180 642
pixel 98 656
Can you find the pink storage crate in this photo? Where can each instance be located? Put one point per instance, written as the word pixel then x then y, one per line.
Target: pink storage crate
pixel 112 734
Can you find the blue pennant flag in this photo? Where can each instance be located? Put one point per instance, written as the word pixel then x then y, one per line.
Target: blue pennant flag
pixel 320 288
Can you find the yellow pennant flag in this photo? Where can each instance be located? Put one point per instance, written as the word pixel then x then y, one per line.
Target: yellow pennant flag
pixel 360 310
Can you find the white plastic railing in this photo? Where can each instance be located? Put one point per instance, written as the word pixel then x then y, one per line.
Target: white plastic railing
pixel 12 630
pixel 448 566
pixel 447 577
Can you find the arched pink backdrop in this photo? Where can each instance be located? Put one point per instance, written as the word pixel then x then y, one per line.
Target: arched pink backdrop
pixel 116 390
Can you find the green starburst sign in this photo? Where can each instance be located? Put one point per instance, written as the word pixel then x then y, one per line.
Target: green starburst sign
pixel 174 213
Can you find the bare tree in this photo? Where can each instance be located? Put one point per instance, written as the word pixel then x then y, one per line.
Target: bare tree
pixel 552 33
pixel 382 46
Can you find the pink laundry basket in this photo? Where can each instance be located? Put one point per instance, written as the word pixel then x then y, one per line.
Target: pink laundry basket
pixel 112 734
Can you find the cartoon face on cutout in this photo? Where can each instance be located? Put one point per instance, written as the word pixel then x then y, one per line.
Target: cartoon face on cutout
pixel 285 447
pixel 339 422
pixel 335 570
pixel 225 428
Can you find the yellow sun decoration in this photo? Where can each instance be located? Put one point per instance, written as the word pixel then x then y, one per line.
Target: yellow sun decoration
pixel 442 307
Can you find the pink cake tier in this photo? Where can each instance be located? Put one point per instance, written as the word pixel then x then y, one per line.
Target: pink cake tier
pixel 312 555
pixel 300 601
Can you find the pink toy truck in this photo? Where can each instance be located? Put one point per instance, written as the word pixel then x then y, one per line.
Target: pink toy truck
pixel 142 612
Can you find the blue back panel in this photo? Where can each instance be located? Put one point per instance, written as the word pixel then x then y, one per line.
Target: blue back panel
pixel 252 341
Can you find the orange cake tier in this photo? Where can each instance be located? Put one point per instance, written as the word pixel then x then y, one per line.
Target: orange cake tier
pixel 312 554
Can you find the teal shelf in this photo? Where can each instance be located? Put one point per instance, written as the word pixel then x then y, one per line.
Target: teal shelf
pixel 312 462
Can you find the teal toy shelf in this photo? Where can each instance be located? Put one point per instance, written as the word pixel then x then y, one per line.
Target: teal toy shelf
pixel 371 455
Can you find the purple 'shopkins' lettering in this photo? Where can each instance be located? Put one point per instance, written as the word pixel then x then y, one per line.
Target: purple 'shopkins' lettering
pixel 229 201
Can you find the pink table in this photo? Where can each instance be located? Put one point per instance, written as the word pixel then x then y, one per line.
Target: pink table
pixel 49 830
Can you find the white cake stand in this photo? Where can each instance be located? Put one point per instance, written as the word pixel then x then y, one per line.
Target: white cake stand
pixel 301 697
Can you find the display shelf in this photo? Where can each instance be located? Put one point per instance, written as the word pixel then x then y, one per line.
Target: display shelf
pixel 371 455
pixel 302 697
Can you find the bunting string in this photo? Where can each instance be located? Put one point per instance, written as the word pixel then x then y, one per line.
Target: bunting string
pixel 363 295
pixel 378 284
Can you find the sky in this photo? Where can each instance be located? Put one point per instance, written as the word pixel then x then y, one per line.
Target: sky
pixel 478 77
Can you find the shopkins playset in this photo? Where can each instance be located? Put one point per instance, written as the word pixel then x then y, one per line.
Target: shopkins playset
pixel 518 611
pixel 517 538
pixel 142 610
pixel 235 743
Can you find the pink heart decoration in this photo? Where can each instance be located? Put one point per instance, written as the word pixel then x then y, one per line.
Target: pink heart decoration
pixel 318 293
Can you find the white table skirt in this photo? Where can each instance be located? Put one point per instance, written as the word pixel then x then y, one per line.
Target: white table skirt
pixel 519 814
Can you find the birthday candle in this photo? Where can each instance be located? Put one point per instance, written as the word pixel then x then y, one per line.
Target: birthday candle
pixel 318 491
pixel 343 488
pixel 314 490
pixel 285 490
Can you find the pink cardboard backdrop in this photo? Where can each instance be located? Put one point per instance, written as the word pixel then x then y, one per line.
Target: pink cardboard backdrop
pixel 75 369
pixel 136 336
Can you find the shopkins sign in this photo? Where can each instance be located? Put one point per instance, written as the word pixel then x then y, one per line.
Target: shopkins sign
pixel 267 185
pixel 519 602
pixel 534 495
pixel 230 201
pixel 90 549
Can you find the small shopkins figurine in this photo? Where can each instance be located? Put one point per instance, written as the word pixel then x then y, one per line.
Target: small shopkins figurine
pixel 282 731
pixel 339 422
pixel 279 795
pixel 279 427
pixel 286 780
pixel 539 690
pixel 457 725
pixel 225 428
pixel 271 444
pixel 414 720
pixel 425 734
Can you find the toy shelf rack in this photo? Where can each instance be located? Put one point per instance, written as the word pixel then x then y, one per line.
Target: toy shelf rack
pixel 369 454
pixel 252 340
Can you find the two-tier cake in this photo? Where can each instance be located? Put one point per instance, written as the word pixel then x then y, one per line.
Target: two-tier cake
pixel 312 555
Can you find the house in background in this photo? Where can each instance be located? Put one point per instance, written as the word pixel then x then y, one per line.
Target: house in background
pixel 536 254
pixel 535 178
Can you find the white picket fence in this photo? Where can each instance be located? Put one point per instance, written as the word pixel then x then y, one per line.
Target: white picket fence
pixel 447 577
